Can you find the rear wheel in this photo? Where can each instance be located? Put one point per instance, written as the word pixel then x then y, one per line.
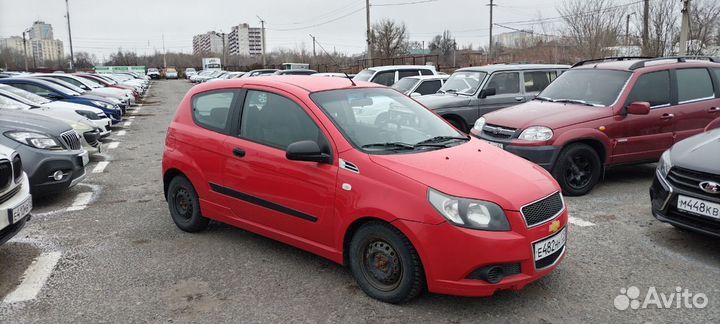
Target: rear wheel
pixel 577 169
pixel 385 264
pixel 184 205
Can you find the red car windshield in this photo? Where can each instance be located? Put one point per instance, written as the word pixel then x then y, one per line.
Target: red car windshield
pixel 587 87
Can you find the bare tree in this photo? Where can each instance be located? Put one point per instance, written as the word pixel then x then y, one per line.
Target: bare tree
pixel 592 25
pixel 442 44
pixel 704 18
pixel 84 60
pixel 664 26
pixel 390 39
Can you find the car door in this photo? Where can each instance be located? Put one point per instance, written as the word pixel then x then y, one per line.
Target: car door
pixel 645 137
pixel 697 104
pixel 291 198
pixel 536 81
pixel 507 92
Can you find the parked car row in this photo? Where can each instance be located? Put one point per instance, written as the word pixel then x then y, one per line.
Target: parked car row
pixel 342 153
pixel 48 125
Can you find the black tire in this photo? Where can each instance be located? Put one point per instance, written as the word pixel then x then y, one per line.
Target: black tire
pixel 577 169
pixel 457 123
pixel 373 251
pixel 184 205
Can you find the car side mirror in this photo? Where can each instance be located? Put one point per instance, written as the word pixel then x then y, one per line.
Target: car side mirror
pixel 487 93
pixel 307 151
pixel 415 94
pixel 638 108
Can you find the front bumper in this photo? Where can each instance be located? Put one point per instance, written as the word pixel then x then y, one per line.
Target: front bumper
pixel 451 255
pixel 543 156
pixel 663 199
pixel 8 230
pixel 71 164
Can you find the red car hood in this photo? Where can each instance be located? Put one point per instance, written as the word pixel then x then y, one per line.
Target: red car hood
pixel 475 170
pixel 543 113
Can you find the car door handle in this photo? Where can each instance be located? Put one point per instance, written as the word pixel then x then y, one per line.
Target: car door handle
pixel 519 98
pixel 667 116
pixel 714 109
pixel 238 152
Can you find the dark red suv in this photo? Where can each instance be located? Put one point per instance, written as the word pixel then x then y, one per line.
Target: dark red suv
pixel 608 112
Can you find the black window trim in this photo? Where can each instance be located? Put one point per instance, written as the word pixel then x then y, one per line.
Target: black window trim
pixel 677 88
pixel 231 110
pixel 715 78
pixel 237 122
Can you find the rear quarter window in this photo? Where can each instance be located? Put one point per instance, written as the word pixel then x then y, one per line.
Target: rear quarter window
pixel 211 110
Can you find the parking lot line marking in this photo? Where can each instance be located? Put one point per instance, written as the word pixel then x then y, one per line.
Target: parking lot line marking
pixel 579 222
pixel 81 201
pixel 34 278
pixel 127 123
pixel 113 145
pixel 100 167
pixel 121 133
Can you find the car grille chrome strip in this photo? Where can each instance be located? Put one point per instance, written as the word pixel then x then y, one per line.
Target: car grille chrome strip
pixel 71 140
pixel 6 174
pixel 690 180
pixel 498 131
pixel 543 210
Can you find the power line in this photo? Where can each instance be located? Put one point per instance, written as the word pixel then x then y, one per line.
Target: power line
pixel 580 14
pixel 402 3
pixel 318 24
pixel 321 16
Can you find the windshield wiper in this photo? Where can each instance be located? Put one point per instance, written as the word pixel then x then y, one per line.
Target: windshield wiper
pixel 393 145
pixel 544 99
pixel 439 139
pixel 577 101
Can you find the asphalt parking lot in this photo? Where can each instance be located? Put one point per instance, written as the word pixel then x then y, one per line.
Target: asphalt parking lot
pixel 110 253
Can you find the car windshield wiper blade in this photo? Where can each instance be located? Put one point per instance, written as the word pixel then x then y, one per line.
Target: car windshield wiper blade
pixel 544 99
pixel 439 139
pixel 391 145
pixel 577 101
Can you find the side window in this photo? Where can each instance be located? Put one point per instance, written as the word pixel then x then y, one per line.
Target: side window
pixel 426 72
pixel 536 81
pixel 211 110
pixel 505 83
pixel 40 91
pixel 652 87
pixel 428 87
pixel 694 84
pixel 407 73
pixel 385 78
pixel 276 121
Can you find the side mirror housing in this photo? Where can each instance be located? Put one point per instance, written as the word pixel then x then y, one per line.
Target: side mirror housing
pixel 638 108
pixel 487 93
pixel 308 151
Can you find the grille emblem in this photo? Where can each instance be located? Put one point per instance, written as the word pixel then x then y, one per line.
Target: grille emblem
pixel 710 187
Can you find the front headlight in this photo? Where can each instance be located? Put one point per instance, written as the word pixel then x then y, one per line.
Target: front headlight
pixel 87 114
pixel 536 134
pixel 479 124
pixel 102 104
pixel 470 213
pixel 36 140
pixel 665 164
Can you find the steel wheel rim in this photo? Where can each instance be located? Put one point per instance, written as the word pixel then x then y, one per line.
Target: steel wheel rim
pixel 183 203
pixel 578 171
pixel 381 265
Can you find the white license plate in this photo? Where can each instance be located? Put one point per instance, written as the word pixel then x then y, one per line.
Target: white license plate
pixel 500 145
pixel 85 157
pixel 22 209
pixel 698 206
pixel 550 245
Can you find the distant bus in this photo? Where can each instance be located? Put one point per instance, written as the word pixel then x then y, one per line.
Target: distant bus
pixel 211 63
pixel 294 66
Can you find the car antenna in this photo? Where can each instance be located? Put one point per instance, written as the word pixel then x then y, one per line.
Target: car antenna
pixel 349 78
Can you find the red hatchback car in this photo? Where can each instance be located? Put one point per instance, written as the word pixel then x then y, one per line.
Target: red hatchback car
pixel 608 112
pixel 364 176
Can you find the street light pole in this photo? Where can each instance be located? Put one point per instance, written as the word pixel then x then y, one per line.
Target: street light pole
pixel 627 28
pixel 490 43
pixel 368 32
pixel 684 28
pixel 262 26
pixel 25 50
pixel 72 55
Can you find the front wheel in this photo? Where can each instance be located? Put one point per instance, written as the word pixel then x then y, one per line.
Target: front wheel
pixel 577 169
pixel 385 264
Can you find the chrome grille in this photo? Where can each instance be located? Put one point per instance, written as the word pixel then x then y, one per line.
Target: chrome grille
pixel 690 180
pixel 17 168
pixel 5 174
pixel 542 210
pixel 71 140
pixel 498 131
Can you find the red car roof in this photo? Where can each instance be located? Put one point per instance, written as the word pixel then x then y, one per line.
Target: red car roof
pixel 300 82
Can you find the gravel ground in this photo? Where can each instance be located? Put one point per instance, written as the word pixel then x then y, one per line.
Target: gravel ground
pixel 124 261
